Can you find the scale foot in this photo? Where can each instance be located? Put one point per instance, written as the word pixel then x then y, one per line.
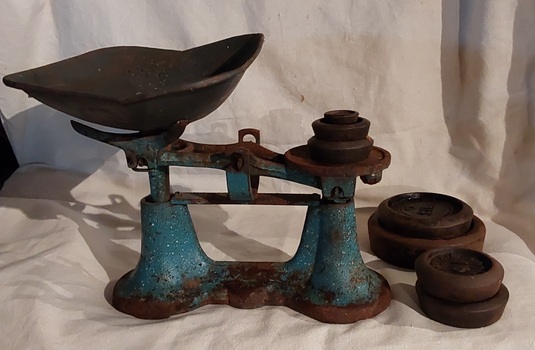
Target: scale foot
pixel 348 314
pixel 248 297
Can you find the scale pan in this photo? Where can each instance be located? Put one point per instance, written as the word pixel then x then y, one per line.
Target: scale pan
pixel 140 88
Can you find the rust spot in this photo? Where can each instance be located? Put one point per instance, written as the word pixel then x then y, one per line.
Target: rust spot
pixel 336 237
pixel 192 283
pixel 348 314
pixel 328 295
pixel 247 294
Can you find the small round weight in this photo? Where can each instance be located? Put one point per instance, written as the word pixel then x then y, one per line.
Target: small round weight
pixel 402 251
pixel 339 152
pixel 425 215
pixel 463 315
pixel 341 132
pixel 341 116
pixel 460 275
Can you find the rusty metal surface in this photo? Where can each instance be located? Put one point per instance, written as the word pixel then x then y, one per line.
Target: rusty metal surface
pixel 299 158
pixel 140 88
pixel 253 294
pixel 347 314
pixel 259 199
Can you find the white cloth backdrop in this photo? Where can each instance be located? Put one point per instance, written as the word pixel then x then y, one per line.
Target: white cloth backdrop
pixel 448 87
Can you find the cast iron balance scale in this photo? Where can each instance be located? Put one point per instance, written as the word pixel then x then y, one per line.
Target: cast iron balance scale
pixel 156 93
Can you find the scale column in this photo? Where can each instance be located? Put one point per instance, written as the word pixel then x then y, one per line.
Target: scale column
pixel 160 188
pixel 341 289
pixel 172 269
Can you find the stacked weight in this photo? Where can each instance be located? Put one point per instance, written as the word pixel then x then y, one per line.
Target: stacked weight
pixel 460 287
pixel 341 136
pixel 406 225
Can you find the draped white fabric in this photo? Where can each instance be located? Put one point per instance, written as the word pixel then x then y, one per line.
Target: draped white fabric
pixel 448 87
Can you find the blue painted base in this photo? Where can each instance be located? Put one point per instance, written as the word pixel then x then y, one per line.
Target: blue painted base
pixel 326 279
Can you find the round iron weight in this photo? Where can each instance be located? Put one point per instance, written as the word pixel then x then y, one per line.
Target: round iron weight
pixel 341 116
pixel 460 275
pixel 401 250
pixel 425 215
pixel 463 315
pixel 337 152
pixel 341 132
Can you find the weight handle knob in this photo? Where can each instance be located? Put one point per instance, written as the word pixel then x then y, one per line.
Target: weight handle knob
pixel 341 116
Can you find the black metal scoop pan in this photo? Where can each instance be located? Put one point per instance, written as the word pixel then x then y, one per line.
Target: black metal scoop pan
pixel 139 88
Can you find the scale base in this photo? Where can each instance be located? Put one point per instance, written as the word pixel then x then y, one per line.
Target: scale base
pixel 244 296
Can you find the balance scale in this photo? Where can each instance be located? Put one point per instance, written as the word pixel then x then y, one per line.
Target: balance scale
pixel 158 93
